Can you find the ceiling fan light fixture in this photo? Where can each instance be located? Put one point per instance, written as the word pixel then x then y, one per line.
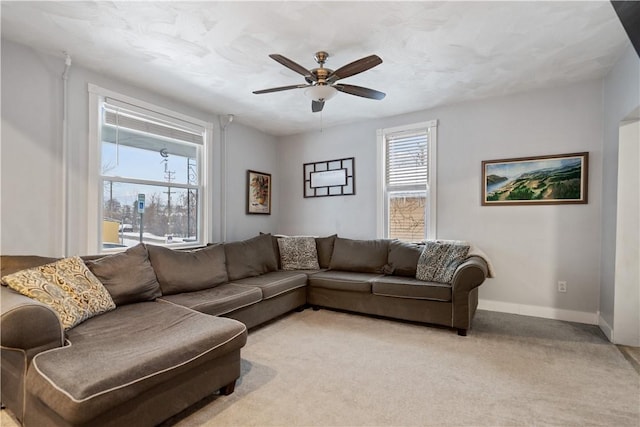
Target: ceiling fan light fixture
pixel 320 92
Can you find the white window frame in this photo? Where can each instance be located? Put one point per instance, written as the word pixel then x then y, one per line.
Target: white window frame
pixel 97 96
pixel 382 222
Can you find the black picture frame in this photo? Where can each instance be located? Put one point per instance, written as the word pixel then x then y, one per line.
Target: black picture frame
pixel 329 178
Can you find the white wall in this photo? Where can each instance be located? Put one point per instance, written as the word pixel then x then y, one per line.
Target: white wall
pixel 621 95
pixel 531 247
pixel 30 165
pixel 345 215
pixel 249 149
pixel 31 176
pixel 626 319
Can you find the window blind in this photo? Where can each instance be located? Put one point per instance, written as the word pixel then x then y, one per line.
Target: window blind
pixel 406 161
pixel 117 116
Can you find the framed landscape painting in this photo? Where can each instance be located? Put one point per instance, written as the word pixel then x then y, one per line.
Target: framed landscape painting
pixel 258 193
pixel 541 180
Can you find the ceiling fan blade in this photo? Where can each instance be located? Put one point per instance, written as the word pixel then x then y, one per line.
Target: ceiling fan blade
pixel 293 66
pixel 360 91
pixel 316 106
pixel 278 89
pixel 355 67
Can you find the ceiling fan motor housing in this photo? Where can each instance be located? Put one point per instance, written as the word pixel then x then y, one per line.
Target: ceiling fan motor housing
pixel 321 75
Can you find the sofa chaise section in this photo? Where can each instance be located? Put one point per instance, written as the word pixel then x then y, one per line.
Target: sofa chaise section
pixel 136 365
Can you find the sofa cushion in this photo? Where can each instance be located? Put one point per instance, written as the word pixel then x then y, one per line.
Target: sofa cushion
pixel 343 280
pixel 250 257
pixel 403 258
pixel 188 271
pixel 276 248
pixel 298 253
pixel 13 263
pixel 67 286
pixel 276 282
pixel 440 259
pixel 124 353
pixel 324 245
pixel 128 276
pixel 407 287
pixel 217 301
pixel 365 256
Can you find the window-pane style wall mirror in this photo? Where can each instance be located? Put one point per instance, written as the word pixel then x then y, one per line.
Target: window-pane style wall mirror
pixel 330 178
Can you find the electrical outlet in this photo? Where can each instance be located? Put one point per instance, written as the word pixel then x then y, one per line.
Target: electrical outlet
pixel 562 286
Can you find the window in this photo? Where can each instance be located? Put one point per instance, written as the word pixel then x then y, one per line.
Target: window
pixel 407 202
pixel 145 153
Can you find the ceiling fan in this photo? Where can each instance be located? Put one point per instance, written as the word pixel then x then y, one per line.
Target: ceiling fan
pixel 321 82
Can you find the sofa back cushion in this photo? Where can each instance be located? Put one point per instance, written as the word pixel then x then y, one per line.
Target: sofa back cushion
pixel 276 248
pixel 324 246
pixel 128 276
pixel 365 256
pixel 188 271
pixel 403 258
pixel 251 257
pixel 10 264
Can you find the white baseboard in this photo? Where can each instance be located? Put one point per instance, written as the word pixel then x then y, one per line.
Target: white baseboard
pixel 538 311
pixel 604 326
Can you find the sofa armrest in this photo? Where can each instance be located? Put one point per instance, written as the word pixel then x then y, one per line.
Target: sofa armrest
pixel 469 275
pixel 28 324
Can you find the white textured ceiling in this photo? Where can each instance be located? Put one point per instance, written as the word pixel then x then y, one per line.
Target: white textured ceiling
pixel 212 55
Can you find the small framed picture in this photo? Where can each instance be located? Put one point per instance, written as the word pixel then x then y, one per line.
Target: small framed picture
pixel 541 180
pixel 258 193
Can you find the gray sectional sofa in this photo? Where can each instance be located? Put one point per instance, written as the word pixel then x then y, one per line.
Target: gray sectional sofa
pixel 181 319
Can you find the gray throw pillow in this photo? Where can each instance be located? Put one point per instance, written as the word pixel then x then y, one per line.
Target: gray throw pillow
pixel 251 257
pixel 128 276
pixel 364 256
pixel 188 271
pixel 403 258
pixel 324 246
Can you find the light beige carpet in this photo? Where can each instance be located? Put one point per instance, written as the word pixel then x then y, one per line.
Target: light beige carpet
pixel 334 369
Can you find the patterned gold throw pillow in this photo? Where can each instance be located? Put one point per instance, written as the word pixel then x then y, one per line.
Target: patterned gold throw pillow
pixel 67 286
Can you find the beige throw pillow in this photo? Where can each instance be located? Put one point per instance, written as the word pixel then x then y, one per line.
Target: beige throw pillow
pixel 67 286
pixel 298 253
